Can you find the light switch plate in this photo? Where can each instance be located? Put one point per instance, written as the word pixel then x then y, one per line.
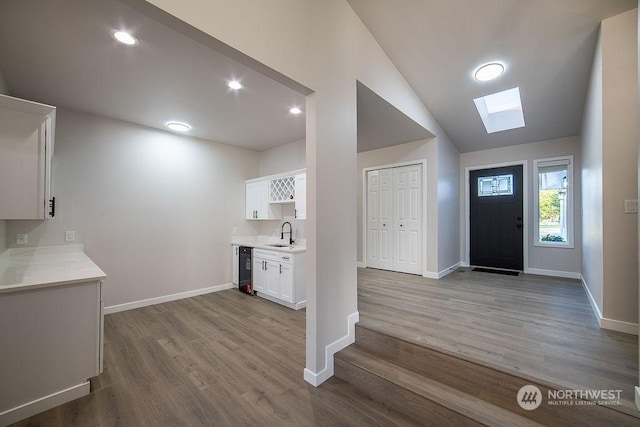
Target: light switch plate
pixel 631 206
pixel 69 236
pixel 21 239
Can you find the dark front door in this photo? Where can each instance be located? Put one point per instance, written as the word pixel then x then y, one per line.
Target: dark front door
pixel 496 220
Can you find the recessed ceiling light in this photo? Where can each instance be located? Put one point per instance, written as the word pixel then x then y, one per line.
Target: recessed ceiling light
pixel 179 127
pixel 125 38
pixel 234 84
pixel 295 110
pixel 489 72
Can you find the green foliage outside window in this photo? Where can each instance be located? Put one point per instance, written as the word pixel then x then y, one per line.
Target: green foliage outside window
pixel 549 202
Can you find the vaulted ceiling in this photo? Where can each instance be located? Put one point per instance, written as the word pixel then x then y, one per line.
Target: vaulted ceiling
pixel 546 46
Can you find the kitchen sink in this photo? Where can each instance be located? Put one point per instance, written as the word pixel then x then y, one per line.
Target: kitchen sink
pixel 277 245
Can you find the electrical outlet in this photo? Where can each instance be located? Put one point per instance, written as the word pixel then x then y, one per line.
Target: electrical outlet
pixel 21 239
pixel 630 206
pixel 234 230
pixel 69 236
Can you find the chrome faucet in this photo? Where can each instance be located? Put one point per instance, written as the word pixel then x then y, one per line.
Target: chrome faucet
pixel 290 232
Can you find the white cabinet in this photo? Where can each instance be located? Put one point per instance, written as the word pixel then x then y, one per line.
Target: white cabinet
pixel 51 346
pixel 301 196
pixel 279 277
pixel 257 204
pixel 26 146
pixel 286 278
pixel 235 249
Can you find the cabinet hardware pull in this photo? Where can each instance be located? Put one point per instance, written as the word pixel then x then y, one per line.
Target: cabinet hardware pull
pixel 280 268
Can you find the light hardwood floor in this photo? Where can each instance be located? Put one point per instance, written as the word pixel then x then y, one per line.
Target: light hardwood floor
pixel 223 359
pixel 535 327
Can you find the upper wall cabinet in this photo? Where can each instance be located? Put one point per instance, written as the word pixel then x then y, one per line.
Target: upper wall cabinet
pixel 257 201
pixel 26 147
pixel 264 196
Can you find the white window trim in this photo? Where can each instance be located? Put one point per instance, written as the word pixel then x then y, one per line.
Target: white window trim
pixel 569 244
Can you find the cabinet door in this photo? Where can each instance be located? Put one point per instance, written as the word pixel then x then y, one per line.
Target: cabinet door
pixel 286 282
pixel 273 278
pixel 259 275
pixel 301 196
pixel 257 204
pixel 255 191
pixel 235 264
pixel 25 159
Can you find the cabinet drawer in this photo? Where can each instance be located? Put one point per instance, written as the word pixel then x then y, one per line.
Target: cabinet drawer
pixel 268 255
pixel 286 258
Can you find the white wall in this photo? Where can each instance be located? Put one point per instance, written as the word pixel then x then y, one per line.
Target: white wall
pixel 448 171
pixel 610 172
pixel 417 150
pixel 4 90
pixel 154 209
pixel 325 47
pixel 620 178
pixel 285 158
pixel 592 222
pixel 542 258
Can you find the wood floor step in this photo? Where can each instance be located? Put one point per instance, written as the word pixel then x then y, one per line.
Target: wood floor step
pixel 419 397
pixel 479 381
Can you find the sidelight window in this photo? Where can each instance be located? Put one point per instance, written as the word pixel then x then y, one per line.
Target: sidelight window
pixel 554 202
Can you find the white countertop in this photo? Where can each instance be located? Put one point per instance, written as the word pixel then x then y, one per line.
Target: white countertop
pixel 263 242
pixel 31 268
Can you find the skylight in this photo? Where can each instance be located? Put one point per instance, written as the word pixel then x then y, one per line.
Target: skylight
pixel 501 111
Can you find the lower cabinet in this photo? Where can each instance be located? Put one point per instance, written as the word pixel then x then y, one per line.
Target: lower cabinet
pixel 235 256
pixel 50 345
pixel 279 277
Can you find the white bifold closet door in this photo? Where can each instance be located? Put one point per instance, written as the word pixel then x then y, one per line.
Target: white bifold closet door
pixel 394 219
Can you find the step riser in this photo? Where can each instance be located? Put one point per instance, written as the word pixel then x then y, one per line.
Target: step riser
pixel 417 407
pixel 488 384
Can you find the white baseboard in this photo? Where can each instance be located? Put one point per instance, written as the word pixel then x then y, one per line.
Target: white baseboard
pixel 166 298
pixel 294 306
pixel 315 379
pixel 553 273
pixel 45 403
pixel 361 265
pixel 605 323
pixel 441 274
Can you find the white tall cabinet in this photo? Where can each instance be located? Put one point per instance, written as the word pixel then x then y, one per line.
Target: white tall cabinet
pixel 26 147
pixel 394 219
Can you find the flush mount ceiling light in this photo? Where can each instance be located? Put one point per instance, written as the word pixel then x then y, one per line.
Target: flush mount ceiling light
pixel 125 38
pixel 234 84
pixel 179 127
pixel 295 110
pixel 489 72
